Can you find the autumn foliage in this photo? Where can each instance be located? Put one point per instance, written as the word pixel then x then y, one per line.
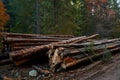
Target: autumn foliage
pixel 95 4
pixel 4 17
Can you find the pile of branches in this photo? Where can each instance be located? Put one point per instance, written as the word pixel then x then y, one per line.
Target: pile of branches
pixel 63 51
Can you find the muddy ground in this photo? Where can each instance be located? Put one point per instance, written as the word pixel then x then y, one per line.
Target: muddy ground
pixel 102 71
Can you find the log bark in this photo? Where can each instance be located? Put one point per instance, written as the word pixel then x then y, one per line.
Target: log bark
pixel 38 50
pixel 34 51
pixel 34 35
pixel 30 44
pixel 89 37
pixel 67 65
pixel 42 50
pixel 26 45
pixel 19 48
pixel 5 61
pixel 99 48
pixel 63 55
pixel 94 43
pixel 10 40
pixel 41 71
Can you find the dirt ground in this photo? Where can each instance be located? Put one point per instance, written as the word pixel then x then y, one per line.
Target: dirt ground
pixel 112 74
pixel 102 71
pixel 112 71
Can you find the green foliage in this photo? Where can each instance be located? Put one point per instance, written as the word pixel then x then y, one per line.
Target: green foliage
pixel 107 55
pixel 90 51
pixel 80 18
pixel 23 12
pixel 115 31
pixel 63 17
pixel 52 19
pixel 116 24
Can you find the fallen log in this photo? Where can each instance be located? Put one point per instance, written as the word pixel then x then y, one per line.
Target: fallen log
pixel 5 61
pixel 99 48
pixel 41 50
pixel 89 37
pixel 94 43
pixel 34 35
pixel 29 44
pixel 10 40
pixel 16 43
pixel 41 71
pixel 18 55
pixel 41 37
pixel 67 65
pixel 60 54
pixel 20 62
pixel 19 48
pixel 22 45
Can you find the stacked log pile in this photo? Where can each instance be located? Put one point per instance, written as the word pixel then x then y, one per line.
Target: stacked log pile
pixel 62 51
pixel 17 41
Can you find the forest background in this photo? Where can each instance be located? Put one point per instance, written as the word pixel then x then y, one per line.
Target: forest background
pixel 68 17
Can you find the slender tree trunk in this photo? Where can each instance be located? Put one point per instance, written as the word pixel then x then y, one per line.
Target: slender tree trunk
pixel 55 12
pixel 37 17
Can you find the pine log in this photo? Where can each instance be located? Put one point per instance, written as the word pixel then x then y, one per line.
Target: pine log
pixel 5 61
pixel 41 37
pixel 29 44
pixel 34 35
pixel 89 37
pixel 41 71
pixel 21 42
pixel 67 65
pixel 43 49
pixel 34 38
pixel 100 48
pixel 10 40
pixel 94 43
pixel 62 55
pixel 39 50
pixel 19 48
pixel 23 45
pixel 20 62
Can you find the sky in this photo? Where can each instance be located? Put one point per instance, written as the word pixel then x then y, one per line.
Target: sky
pixel 118 0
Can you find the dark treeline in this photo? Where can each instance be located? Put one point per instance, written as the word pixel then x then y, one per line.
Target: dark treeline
pixel 76 17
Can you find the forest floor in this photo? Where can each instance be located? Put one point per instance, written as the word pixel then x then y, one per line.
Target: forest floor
pixel 103 71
